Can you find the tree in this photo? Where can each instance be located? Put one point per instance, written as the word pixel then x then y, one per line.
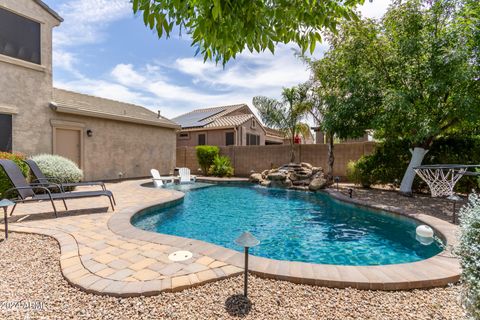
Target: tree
pixel 342 90
pixel 221 29
pixel 414 73
pixel 285 115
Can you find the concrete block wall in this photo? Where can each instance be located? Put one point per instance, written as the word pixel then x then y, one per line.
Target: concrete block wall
pixel 258 158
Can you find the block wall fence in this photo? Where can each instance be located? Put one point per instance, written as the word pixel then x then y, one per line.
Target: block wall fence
pixel 258 158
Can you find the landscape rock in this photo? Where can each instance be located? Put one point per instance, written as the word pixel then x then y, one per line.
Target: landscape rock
pixel 301 176
pixel 277 176
pixel 306 165
pixel 265 183
pixel 316 170
pixel 256 177
pixel 317 183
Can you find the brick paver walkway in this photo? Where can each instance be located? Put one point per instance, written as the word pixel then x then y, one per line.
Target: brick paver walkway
pixel 98 260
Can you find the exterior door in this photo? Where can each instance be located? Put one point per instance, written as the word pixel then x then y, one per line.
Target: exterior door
pixel 68 144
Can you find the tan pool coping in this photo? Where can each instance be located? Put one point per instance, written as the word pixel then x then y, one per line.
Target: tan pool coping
pixel 104 253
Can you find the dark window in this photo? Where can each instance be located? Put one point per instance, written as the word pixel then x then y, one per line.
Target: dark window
pixel 229 139
pixel 184 135
pixel 202 139
pixel 253 139
pixel 5 132
pixel 19 37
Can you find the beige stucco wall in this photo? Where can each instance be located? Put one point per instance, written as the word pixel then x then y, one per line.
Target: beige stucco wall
pixel 129 148
pixel 247 128
pixel 27 87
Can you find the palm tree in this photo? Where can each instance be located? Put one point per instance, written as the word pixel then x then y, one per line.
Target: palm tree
pixel 285 115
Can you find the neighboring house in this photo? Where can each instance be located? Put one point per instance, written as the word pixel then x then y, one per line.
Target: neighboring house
pixel 107 139
pixel 233 125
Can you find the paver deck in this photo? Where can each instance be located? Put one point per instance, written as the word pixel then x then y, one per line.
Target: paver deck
pixel 102 252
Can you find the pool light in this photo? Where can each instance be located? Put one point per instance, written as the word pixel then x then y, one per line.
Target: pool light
pixel 454 199
pixel 246 240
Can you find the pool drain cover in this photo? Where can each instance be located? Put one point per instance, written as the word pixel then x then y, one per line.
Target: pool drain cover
pixel 180 255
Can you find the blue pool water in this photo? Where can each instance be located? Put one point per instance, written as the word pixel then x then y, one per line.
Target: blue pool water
pixel 291 225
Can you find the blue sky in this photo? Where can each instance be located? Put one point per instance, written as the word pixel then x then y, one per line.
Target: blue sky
pixel 103 49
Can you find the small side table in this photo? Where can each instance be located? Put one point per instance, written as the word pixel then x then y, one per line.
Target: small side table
pixel 4 204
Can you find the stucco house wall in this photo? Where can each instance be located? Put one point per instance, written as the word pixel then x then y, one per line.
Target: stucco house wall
pixel 121 149
pixel 117 149
pixel 26 88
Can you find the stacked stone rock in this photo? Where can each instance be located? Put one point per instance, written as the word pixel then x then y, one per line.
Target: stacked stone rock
pixel 301 176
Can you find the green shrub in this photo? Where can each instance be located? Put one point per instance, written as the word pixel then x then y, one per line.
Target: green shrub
pixel 469 253
pixel 58 168
pixel 221 167
pixel 388 163
pixel 5 183
pixel 205 156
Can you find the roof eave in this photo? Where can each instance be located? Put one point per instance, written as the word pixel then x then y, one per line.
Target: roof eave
pixel 49 10
pixel 109 116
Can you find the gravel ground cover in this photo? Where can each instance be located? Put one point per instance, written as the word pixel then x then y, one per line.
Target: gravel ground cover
pixel 32 287
pixel 419 203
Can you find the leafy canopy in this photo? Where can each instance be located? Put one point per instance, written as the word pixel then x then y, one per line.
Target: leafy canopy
pixel 220 29
pixel 413 75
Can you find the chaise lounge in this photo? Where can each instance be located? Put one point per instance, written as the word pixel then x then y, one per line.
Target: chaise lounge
pixel 42 179
pixel 26 192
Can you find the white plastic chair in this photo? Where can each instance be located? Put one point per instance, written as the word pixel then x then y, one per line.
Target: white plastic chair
pixel 185 176
pixel 158 181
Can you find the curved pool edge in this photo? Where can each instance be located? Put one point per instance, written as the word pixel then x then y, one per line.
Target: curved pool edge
pixel 439 270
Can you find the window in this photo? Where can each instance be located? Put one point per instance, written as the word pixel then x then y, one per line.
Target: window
pixel 5 132
pixel 254 124
pixel 202 139
pixel 229 139
pixel 19 37
pixel 184 135
pixel 253 139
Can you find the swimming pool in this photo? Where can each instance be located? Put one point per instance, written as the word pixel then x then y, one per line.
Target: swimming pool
pixel 291 225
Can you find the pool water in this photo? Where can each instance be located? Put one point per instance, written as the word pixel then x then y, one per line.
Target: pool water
pixel 291 225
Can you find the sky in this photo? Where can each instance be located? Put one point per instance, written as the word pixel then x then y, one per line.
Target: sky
pixel 103 49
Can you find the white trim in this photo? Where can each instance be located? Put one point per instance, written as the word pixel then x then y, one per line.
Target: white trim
pixel 6 109
pixel 23 63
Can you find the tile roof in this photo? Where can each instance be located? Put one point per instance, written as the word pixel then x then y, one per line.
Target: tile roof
pixel 83 104
pixel 200 118
pixel 226 122
pixel 274 132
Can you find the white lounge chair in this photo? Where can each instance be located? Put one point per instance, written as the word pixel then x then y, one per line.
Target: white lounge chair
pixel 185 176
pixel 158 180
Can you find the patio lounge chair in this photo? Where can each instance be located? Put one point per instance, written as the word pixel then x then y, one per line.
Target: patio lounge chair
pixel 42 179
pixel 26 191
pixel 158 181
pixel 185 176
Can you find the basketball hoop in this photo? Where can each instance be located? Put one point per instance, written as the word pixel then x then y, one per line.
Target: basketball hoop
pixel 441 178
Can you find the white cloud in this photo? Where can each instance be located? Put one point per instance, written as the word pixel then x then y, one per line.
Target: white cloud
pixel 85 20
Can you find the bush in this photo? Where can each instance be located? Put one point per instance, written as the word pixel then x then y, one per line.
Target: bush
pixel 469 252
pixel 205 156
pixel 58 168
pixel 221 167
pixel 5 183
pixel 390 160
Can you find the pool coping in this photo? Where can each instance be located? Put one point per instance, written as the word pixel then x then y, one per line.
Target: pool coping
pixel 439 270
